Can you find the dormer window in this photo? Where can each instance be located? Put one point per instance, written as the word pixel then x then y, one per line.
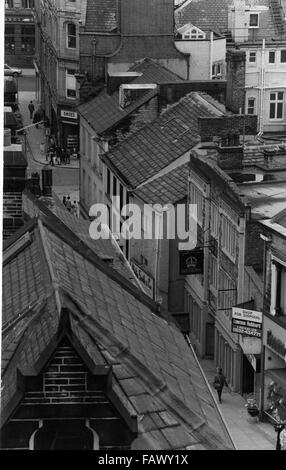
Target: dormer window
pixel 191 32
pixel 253 20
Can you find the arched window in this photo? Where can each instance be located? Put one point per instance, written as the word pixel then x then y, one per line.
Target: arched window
pixel 71 35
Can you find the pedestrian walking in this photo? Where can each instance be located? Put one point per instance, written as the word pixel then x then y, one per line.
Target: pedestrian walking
pixel 219 382
pixel 69 204
pixel 76 208
pixel 63 156
pixel 68 156
pixel 64 200
pixel 31 109
pixel 37 118
pixel 52 158
pixel 42 147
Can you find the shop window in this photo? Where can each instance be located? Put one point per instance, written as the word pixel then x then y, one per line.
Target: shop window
pixel 251 106
pixel 28 39
pixel 71 36
pixel 276 105
pixel 283 56
pixel 10 39
pixel 70 84
pixel 278 289
pixel 271 57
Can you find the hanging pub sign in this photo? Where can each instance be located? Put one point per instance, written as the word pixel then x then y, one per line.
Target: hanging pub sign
pixel 246 322
pixel 191 262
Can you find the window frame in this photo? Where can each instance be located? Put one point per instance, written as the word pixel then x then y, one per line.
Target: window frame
pixel 276 102
pixel 253 14
pixel 68 35
pixel 253 62
pixel 71 89
pixel 282 61
pixel 251 98
pixel 271 52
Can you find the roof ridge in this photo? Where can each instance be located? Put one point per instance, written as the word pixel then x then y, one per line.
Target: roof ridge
pixel 47 255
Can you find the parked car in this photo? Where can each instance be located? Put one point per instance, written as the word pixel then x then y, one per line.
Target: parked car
pixel 12 71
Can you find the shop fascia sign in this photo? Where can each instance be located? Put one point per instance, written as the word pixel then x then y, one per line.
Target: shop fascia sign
pixel 146 280
pixel 68 114
pixel 246 322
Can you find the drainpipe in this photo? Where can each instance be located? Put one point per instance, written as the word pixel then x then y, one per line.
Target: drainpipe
pixel 262 91
pixel 211 54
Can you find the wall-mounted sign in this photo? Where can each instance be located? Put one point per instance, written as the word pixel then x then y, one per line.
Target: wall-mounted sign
pixel 246 322
pixel 146 280
pixel 68 114
pixel 192 262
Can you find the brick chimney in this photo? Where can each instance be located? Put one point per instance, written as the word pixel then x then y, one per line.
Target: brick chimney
pixel 235 89
pixel 15 166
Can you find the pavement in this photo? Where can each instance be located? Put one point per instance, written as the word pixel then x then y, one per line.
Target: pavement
pixel 247 433
pixel 65 177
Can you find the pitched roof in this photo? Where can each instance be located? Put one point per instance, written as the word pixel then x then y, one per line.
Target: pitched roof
pixel 157 144
pixel 170 187
pixel 103 112
pixel 53 208
pixel 205 14
pixel 101 15
pixel 145 351
pixel 213 15
pixel 154 47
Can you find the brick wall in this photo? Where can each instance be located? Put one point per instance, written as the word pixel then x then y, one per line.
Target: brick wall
pixel 12 213
pixel 235 89
pixel 221 126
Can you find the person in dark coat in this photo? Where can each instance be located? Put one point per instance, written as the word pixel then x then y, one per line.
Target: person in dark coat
pixel 219 382
pixel 31 109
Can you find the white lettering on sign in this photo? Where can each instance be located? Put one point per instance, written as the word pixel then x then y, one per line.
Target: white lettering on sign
pixel 68 114
pixel 144 278
pixel 249 315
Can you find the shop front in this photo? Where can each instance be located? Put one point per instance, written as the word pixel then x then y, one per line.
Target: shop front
pixel 69 129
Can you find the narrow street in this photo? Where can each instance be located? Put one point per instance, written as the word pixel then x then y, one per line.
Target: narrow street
pixel 65 177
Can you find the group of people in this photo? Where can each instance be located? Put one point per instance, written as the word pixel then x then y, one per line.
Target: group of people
pixel 57 155
pixel 73 208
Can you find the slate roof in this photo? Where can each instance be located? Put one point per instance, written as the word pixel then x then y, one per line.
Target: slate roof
pixel 53 208
pixel 208 15
pixel 156 145
pixel 168 188
pixel 101 16
pixel 103 112
pixel 213 15
pixel 155 371
pixel 153 47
